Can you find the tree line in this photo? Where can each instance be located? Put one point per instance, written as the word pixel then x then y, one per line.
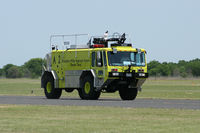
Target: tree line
pixel 30 69
pixel 33 69
pixel 181 69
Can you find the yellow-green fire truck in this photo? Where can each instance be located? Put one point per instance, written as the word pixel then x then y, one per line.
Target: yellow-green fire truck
pixel 104 64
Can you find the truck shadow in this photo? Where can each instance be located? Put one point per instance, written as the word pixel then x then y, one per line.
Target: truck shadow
pixel 101 99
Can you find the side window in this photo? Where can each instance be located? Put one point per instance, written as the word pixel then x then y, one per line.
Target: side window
pixel 99 62
pixel 132 57
pixel 93 59
pixel 143 58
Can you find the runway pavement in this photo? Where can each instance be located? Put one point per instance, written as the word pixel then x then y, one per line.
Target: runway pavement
pixel 138 103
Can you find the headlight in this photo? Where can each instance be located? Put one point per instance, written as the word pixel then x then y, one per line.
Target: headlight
pixel 115 74
pixel 142 74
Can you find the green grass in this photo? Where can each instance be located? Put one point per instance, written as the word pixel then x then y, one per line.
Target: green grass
pixel 20 87
pixel 160 88
pixel 171 89
pixel 72 119
pixel 90 119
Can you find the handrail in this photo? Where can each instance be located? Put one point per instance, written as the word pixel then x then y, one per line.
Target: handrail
pixel 63 36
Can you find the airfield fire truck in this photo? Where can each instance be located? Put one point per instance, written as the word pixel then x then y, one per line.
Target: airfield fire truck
pixel 104 64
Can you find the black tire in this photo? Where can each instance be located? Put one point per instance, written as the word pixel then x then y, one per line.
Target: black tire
pixel 50 91
pixel 87 90
pixel 128 93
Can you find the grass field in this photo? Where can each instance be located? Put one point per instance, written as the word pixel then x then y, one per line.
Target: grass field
pixel 80 119
pixel 171 89
pixel 72 119
pixel 160 88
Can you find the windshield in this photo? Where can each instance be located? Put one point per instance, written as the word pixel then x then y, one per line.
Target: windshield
pixel 126 59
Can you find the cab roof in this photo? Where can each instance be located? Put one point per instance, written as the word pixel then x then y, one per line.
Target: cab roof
pixel 118 48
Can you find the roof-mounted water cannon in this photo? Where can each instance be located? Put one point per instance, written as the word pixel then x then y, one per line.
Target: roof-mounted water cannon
pixel 107 41
pixel 106 35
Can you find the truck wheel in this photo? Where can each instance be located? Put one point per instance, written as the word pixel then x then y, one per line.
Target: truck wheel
pixel 50 91
pixel 87 90
pixel 128 93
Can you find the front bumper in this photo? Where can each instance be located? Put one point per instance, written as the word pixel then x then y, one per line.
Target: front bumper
pixel 128 75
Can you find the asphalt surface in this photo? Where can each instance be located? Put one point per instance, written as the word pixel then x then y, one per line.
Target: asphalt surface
pixel 138 103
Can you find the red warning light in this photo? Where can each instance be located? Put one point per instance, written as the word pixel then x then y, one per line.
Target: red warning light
pixel 114 70
pixel 98 45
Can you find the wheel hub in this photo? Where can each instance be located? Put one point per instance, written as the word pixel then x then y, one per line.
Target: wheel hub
pixel 87 87
pixel 49 87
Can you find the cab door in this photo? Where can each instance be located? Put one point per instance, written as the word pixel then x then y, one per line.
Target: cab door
pixel 98 63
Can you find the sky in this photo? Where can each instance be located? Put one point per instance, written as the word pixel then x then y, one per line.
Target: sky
pixel 169 30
